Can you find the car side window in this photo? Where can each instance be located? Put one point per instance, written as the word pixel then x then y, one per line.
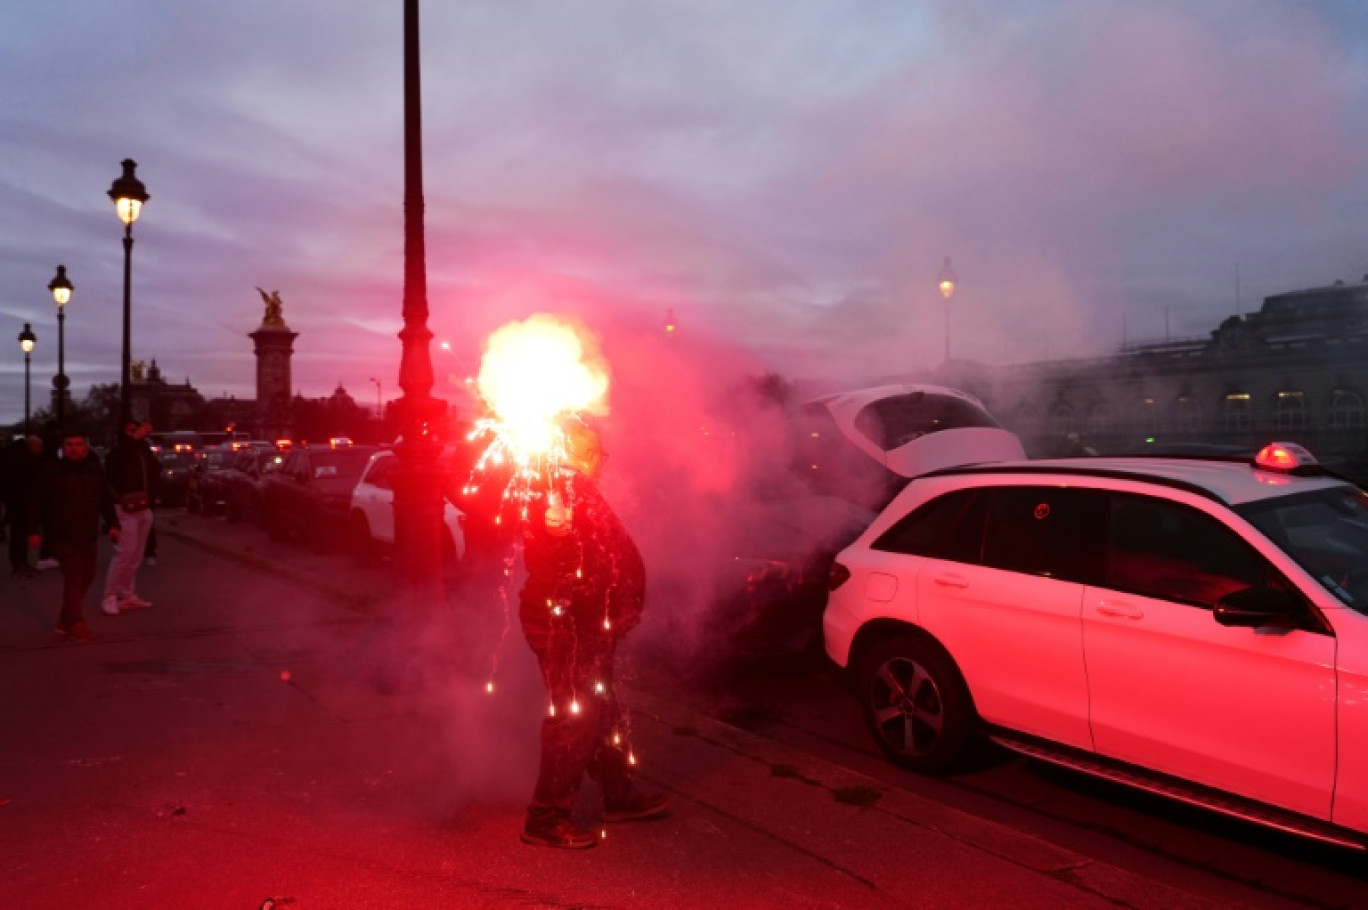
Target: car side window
pixel 947 527
pixel 1053 532
pixel 1171 551
pixel 382 473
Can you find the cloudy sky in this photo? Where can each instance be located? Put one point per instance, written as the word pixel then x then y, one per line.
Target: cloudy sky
pixel 785 175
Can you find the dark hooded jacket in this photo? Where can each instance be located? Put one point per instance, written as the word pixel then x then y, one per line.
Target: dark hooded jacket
pixel 71 500
pixel 132 468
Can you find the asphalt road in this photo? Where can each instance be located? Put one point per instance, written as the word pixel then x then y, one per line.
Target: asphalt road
pixel 281 730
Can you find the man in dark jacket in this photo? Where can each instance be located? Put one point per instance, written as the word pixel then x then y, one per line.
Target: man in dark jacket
pixel 133 473
pixel 585 589
pixel 22 460
pixel 67 508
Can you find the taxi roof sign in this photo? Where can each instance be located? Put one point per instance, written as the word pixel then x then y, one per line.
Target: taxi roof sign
pixel 1285 457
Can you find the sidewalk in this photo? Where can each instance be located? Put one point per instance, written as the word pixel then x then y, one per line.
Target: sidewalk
pixel 260 734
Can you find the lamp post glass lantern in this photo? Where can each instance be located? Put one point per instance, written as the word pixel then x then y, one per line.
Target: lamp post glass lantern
pixel 61 289
pixel 128 194
pixel 27 341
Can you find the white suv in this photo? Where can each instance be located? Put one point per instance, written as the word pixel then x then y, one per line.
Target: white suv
pixel 370 520
pixel 1195 627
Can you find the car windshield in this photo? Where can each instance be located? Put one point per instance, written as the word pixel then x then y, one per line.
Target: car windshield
pixel 1326 532
pixel 174 460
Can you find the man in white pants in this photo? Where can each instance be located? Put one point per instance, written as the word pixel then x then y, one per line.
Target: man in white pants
pixel 132 473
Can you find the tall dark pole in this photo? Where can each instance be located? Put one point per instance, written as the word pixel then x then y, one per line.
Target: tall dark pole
pixel 946 282
pixel 61 289
pixel 59 382
pixel 128 194
pixel 417 490
pixel 126 358
pixel 26 342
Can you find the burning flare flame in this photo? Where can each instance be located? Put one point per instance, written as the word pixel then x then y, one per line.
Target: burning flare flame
pixel 532 374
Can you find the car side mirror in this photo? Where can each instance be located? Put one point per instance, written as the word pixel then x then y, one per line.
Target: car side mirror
pixel 1257 607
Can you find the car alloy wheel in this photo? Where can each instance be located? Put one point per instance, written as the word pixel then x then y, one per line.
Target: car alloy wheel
pixel 915 702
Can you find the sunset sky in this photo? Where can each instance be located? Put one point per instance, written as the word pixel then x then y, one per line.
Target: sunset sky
pixel 785 175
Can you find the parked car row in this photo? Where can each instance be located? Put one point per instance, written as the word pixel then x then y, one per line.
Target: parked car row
pixel 323 496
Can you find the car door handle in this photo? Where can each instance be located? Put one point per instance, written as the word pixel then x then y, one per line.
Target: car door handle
pixel 1123 610
pixel 951 581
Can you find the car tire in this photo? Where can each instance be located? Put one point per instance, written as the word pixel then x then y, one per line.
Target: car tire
pixel 916 703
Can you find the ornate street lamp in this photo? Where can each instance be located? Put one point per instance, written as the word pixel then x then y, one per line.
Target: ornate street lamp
pixel 128 194
pixel 61 289
pixel 417 487
pixel 946 282
pixel 26 342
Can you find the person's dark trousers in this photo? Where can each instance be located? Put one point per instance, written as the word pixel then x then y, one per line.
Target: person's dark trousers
pixel 18 539
pixel 585 734
pixel 78 573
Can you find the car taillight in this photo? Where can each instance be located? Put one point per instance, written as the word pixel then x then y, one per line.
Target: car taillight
pixel 838 576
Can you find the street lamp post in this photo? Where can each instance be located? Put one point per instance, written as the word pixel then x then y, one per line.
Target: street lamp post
pixel 417 488
pixel 946 282
pixel 128 194
pixel 379 412
pixel 61 289
pixel 26 342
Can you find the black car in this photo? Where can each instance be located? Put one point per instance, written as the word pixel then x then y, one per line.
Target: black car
pixel 307 498
pixel 242 483
pixel 175 474
pixel 204 490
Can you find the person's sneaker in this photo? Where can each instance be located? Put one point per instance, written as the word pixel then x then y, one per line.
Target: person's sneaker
pixel 639 807
pixel 150 561
pixel 134 602
pixel 77 630
pixel 557 831
pixel 110 605
pixel 43 565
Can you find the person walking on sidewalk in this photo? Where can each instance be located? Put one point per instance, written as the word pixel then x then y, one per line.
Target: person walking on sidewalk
pixel 585 590
pixel 69 503
pixel 131 470
pixel 22 462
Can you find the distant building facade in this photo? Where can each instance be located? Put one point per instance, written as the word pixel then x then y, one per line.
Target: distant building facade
pixel 170 406
pixel 1296 370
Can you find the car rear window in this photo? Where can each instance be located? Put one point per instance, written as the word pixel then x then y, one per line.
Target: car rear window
pixel 896 421
pixel 947 527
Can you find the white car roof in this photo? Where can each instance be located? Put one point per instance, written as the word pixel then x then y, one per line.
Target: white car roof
pixel 1233 482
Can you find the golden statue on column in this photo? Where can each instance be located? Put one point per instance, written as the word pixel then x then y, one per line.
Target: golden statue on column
pixel 273 317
